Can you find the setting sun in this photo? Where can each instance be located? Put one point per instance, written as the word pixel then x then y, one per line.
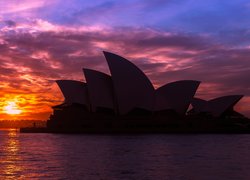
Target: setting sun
pixel 12 108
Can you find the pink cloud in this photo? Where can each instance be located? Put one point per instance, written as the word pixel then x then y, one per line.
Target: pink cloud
pixel 34 55
pixel 16 6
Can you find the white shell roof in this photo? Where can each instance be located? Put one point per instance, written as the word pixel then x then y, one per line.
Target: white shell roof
pixel 100 89
pixel 132 87
pixel 216 106
pixel 176 95
pixel 74 91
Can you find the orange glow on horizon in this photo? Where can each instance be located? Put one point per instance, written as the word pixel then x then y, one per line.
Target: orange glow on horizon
pixel 20 105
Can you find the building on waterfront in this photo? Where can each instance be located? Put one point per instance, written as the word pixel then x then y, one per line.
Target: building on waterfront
pixel 127 98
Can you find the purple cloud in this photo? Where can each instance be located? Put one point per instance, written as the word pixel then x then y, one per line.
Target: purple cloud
pixel 35 54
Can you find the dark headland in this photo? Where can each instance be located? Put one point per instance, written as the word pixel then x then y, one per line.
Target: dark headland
pixel 127 102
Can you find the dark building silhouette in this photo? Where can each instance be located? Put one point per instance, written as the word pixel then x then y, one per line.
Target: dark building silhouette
pixel 132 88
pixel 100 90
pixel 176 96
pixel 218 107
pixel 126 101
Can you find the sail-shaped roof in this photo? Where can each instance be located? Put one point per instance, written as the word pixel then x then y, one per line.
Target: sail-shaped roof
pixel 132 88
pixel 216 106
pixel 220 105
pixel 199 105
pixel 100 89
pixel 74 91
pixel 176 96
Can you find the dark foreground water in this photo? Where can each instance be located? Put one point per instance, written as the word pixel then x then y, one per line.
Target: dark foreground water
pixel 57 156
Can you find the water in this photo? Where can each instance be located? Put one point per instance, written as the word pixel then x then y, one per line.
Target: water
pixel 58 156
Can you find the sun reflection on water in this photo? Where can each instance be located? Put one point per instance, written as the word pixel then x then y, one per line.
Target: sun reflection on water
pixel 10 158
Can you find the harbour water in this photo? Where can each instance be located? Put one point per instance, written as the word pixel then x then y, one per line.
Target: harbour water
pixel 161 156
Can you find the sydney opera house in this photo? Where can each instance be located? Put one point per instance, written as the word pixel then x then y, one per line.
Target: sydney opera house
pixel 126 101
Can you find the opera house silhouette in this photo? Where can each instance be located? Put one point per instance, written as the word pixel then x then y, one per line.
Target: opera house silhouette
pixel 126 101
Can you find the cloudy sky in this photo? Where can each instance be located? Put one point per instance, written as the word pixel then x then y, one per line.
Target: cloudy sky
pixel 42 41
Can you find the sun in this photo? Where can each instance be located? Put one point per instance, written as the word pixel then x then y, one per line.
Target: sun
pixel 12 108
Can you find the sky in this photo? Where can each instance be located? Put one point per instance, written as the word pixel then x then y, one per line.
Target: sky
pixel 42 41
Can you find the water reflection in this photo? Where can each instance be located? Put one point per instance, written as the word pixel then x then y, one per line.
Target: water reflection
pixel 57 156
pixel 10 156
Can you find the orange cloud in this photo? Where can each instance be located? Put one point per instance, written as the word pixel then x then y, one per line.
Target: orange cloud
pixel 34 55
